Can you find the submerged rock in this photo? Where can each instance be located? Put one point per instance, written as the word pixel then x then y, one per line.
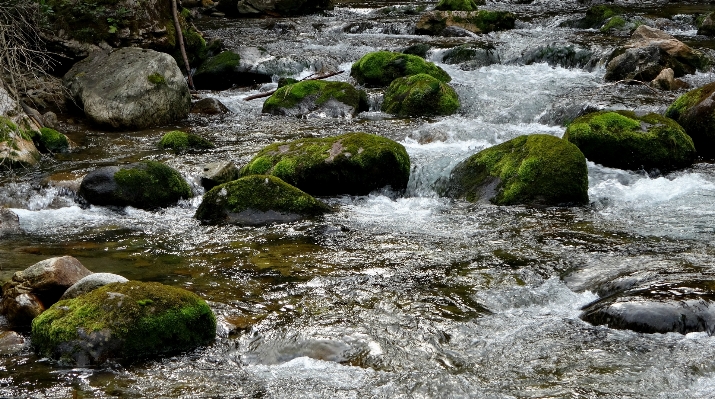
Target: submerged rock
pixel 181 141
pixel 695 112
pixel 216 173
pixel 90 283
pixel 482 21
pixel 317 97
pixel 380 68
pixel 420 95
pixel 209 106
pixel 352 163
pixel 257 200
pixel 472 55
pixel 537 169
pixel 560 54
pixel 620 139
pixel 129 88
pixel 123 321
pixel 145 185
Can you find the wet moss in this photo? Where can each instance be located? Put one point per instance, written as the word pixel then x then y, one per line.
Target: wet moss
pixel 458 5
pixel 623 140
pixel 150 184
pixel 224 62
pixel 353 163
pixel 696 114
pixel 319 91
pixel 536 169
pixel 156 78
pixel 382 67
pixel 181 141
pixel 143 319
pixel 420 95
pixel 50 140
pixel 616 22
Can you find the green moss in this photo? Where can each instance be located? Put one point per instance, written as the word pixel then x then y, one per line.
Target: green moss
pixel 623 140
pixel 353 163
pixel 457 5
pixel 616 22
pixel 227 61
pixel 50 140
pixel 151 184
pixel 382 67
pixel 537 169
pixel 144 318
pixel 598 14
pixel 319 91
pixel 420 95
pixel 156 78
pixel 490 21
pixel 181 141
pixel 696 114
pixel 259 193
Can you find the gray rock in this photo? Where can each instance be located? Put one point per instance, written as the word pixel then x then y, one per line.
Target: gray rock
pixel 209 106
pixel 15 148
pixel 50 119
pixel 91 283
pixel 216 173
pixel 129 88
pixel 9 222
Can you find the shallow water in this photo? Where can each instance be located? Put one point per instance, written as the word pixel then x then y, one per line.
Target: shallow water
pixel 393 295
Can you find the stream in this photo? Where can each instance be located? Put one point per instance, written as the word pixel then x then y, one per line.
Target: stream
pixel 395 295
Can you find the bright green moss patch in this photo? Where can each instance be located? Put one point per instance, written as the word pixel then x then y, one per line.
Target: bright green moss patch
pixel 256 193
pixel 420 95
pixel 353 163
pixel 224 62
pixel 123 320
pixel 695 112
pixel 50 140
pixel 311 94
pixel 616 22
pixel 156 78
pixel 536 169
pixel 182 141
pixel 382 67
pixel 457 5
pixel 623 140
pixel 151 184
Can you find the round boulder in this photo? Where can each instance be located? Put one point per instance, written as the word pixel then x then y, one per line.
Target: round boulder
pixel 352 163
pixel 380 68
pixel 181 141
pixel 695 112
pixel 124 321
pixel 537 169
pixel 317 97
pixel 420 95
pixel 144 185
pixel 620 139
pixel 209 106
pixel 91 283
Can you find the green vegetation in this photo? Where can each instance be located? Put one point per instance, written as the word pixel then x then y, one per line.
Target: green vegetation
pixel 696 114
pixel 156 78
pixel 50 140
pixel 151 184
pixel 382 67
pixel 598 14
pixel 420 95
pixel 616 22
pixel 457 5
pixel 319 91
pixel 181 141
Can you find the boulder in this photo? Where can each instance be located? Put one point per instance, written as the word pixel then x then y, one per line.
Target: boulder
pixel 16 146
pixel 459 5
pixel 90 283
pixel 129 88
pixel 649 52
pixel 216 173
pixel 276 8
pixel 11 343
pixel 560 54
pixel 537 169
pixel 257 200
pixel 317 98
pixel 695 112
pixel 209 106
pixel 621 139
pixel 419 49
pixel 380 68
pixel 666 81
pixel 352 163
pixel 144 185
pixel 9 222
pixel 34 289
pixel 181 141
pixel 596 16
pixel 420 95
pixel 471 56
pixel 226 70
pixel 482 21
pixel 123 321
pixel 707 27
pixel 50 140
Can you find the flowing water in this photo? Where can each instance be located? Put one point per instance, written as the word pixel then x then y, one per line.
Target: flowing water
pixel 394 295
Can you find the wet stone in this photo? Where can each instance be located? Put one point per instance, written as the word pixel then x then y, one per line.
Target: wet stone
pixel 216 173
pixel 9 222
pixel 209 106
pixel 91 283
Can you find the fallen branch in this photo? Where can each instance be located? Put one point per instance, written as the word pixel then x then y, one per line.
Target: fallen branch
pixel 180 39
pixel 310 77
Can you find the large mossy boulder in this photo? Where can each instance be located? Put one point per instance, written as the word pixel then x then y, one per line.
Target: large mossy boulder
pixel 255 8
pixel 621 139
pixel 144 185
pixel 482 21
pixel 695 112
pixel 459 5
pixel 179 141
pixel 352 163
pixel 537 169
pixel 123 321
pixel 380 68
pixel 257 200
pixel 317 98
pixel 226 70
pixel 420 95
pixel 596 16
pixel 130 88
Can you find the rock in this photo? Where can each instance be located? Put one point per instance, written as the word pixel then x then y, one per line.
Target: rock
pixel 483 21
pixel 50 119
pixel 419 49
pixel 218 173
pixel 455 31
pixel 248 8
pixel 560 54
pixel 209 106
pixel 34 289
pixel 90 283
pixel 695 112
pixel 471 56
pixel 352 163
pixel 459 5
pixel 286 81
pixel 50 140
pixel 620 139
pixel 129 88
pixel 317 98
pixel 144 185
pixel 9 222
pixel 11 342
pixel 420 95
pixel 537 169
pixel 666 81
pixel 181 141
pixel 257 200
pixel 649 52
pixel 596 16
pixel 16 147
pixel 226 70
pixel 707 27
pixel 123 321
pixel 380 68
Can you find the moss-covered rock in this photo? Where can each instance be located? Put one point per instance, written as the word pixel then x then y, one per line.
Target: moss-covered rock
pixel 482 21
pixel 16 146
pixel 145 185
pixel 598 14
pixel 707 25
pixel 123 321
pixel 459 5
pixel 420 95
pixel 219 72
pixel 181 141
pixel 352 163
pixel 256 200
pixel 50 140
pixel 537 169
pixel 333 99
pixel 695 112
pixel 380 68
pixel 623 140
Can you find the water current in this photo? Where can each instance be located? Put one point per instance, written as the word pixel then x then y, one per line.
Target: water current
pixel 394 295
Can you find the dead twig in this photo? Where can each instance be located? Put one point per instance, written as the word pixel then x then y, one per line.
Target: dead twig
pixel 310 77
